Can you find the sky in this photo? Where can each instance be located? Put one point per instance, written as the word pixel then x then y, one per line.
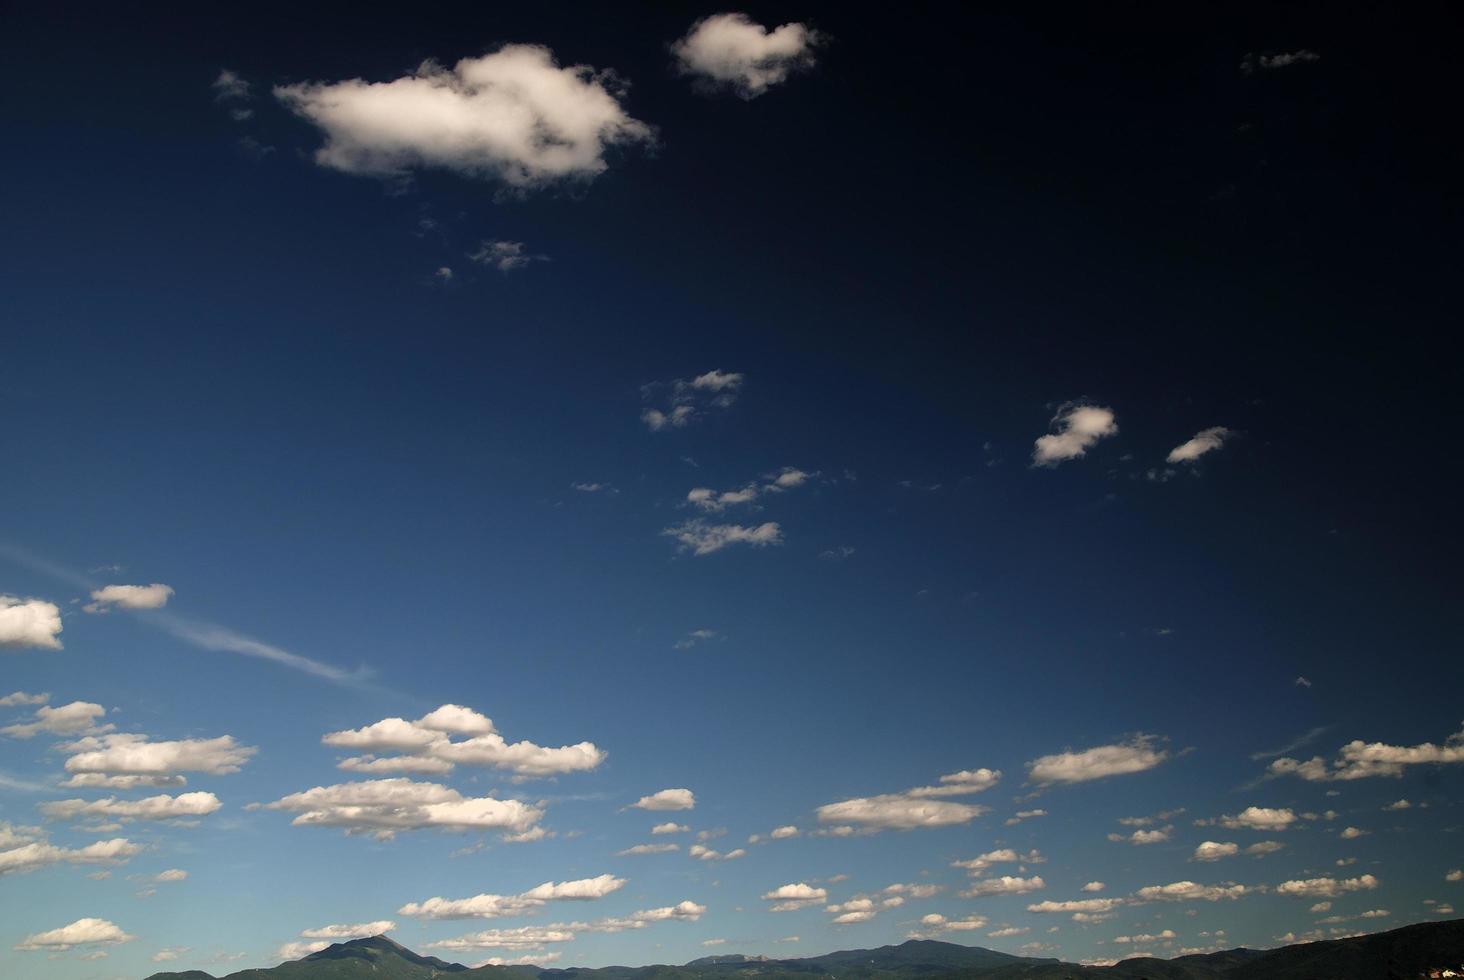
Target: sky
pixel 578 485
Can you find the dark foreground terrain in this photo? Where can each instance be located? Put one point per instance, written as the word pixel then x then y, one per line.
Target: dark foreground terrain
pixel 1414 951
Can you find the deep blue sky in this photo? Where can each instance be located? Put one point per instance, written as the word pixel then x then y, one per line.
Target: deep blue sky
pixel 231 370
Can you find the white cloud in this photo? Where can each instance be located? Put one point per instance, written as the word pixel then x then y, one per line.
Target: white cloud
pixel 1399 805
pixel 531 959
pixel 349 931
pixel 1082 905
pixel 1094 886
pixel 691 639
pixel 160 807
pixel 385 806
pixel 135 755
pixel 730 51
pixel 534 937
pixel 170 875
pixel 682 402
pixel 1259 818
pixel 667 799
pixel 428 748
pixel 1352 833
pixel 1215 850
pixel 1270 62
pixel 962 783
pixel 504 256
pixel 795 896
pixel 1022 815
pixel 1189 891
pixel 703 853
pixel 1136 755
pixel 1009 931
pixel 670 827
pixel 1079 427
pixel 29 623
pixel 1457 874
pixel 1325 887
pixel 490 906
pixel 1205 441
pixel 1157 835
pixel 299 950
pixel 701 538
pixel 108 597
pixel 1144 938
pixel 1004 885
pixel 82 932
pixel 1004 855
pixel 230 86
pixel 19 698
pixel 1360 760
pixel 648 849
pixel 39 854
pixel 78 717
pixel 513 115
pixel 896 811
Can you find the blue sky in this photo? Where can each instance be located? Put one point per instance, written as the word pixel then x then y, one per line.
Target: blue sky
pixel 961 464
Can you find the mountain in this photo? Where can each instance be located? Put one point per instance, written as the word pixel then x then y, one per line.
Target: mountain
pixel 1400 954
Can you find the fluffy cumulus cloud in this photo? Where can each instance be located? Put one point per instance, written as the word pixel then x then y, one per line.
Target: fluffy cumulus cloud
pixel 1215 850
pixel 1144 835
pixel 1005 855
pixel 110 597
pixel 427 746
pixel 536 937
pixel 1189 891
pixel 160 807
pixel 353 931
pixel 1078 428
pixel 490 906
pixel 29 623
pixel 136 755
pixel 513 115
pixel 732 52
pixel 912 808
pixel 384 807
pixel 794 896
pixel 1136 755
pixel 1326 887
pixel 648 849
pixel 82 932
pixel 22 699
pixel 76 718
pixel 35 854
pixel 667 799
pixel 678 403
pixel 1361 760
pixel 1204 441
pixel 1079 906
pixel 1004 885
pixel 703 538
pixel 1259 818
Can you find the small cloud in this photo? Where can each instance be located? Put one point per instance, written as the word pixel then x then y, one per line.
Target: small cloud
pixel 679 402
pixel 32 623
pixel 702 538
pixel 667 799
pixel 1252 63
pixel 841 553
pixel 1301 682
pixel 1202 442
pixel 694 637
pixel 732 53
pixel 111 597
pixel 505 256
pixel 1079 427
pixel 230 87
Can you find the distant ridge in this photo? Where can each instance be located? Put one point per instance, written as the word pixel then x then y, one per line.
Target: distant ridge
pixel 1408 953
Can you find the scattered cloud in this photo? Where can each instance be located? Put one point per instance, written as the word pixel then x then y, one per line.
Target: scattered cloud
pixel 679 402
pixel 667 799
pixel 126 754
pixel 1252 63
pixel 504 256
pixel 1189 891
pixel 733 53
pixel 490 906
pixel 426 746
pixel 383 807
pixel 1023 815
pixel 1004 885
pixel 1079 427
pixel 37 853
pixel 1215 850
pixel 160 807
pixel 703 853
pixel 1156 835
pixel 912 808
pixel 111 597
pixel 1205 441
pixel 22 699
pixel 32 623
pixel 76 718
pixel 648 849
pixel 701 538
pixel 1326 887
pixel 795 896
pixel 82 932
pixel 694 637
pixel 338 932
pixel 1136 755
pixel 513 115
pixel 1361 760
pixel 229 86
pixel 1259 818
